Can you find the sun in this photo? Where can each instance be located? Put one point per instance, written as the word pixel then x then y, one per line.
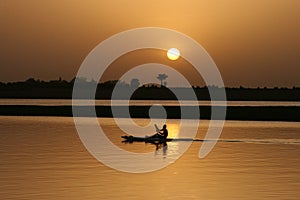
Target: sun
pixel 173 54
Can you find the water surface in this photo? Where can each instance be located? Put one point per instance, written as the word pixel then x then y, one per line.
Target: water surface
pixel 43 158
pixel 68 102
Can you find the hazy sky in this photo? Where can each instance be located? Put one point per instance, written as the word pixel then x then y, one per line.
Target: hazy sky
pixel 253 42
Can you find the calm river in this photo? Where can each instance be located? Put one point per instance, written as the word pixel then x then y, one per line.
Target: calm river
pixel 43 158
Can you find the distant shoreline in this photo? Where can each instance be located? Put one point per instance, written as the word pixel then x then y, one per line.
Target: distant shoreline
pixel 245 113
pixel 150 99
pixel 62 89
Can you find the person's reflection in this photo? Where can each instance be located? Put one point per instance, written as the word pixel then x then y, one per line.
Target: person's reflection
pixel 165 149
pixel 163 146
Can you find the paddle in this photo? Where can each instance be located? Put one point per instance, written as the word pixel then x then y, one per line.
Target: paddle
pixel 156 127
pixel 157 130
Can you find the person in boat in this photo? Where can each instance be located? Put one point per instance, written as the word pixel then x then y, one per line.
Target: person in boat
pixel 164 132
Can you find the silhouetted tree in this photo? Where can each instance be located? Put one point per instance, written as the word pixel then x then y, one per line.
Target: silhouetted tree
pixel 135 83
pixel 162 77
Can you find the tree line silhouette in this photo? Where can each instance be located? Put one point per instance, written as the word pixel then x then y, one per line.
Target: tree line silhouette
pixel 62 89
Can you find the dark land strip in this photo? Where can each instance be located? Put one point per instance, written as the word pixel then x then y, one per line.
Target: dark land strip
pixel 62 89
pixel 252 113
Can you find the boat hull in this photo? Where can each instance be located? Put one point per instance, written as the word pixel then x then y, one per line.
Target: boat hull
pixel 132 139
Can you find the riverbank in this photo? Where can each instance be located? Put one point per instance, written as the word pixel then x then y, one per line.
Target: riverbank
pixel 251 113
pixel 62 89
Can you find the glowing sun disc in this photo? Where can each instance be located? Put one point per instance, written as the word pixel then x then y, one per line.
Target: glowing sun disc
pixel 173 54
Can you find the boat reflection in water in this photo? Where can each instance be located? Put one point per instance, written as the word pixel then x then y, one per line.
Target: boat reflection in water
pixel 167 148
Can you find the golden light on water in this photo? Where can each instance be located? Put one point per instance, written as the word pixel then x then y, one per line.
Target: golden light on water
pixel 173 130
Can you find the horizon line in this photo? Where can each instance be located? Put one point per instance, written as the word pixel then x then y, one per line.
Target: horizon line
pixel 36 80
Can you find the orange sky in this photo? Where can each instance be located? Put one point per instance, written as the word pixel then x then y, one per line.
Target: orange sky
pixel 253 42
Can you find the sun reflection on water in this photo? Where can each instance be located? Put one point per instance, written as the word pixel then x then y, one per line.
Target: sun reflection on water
pixel 173 129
